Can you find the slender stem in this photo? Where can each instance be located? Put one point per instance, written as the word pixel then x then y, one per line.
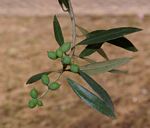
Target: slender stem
pixel 47 90
pixel 44 93
pixel 74 33
pixel 59 76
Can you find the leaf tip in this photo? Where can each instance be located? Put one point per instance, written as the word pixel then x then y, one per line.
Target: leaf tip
pixel 28 81
pixel 114 116
pixel 135 50
pixel 139 29
pixel 55 16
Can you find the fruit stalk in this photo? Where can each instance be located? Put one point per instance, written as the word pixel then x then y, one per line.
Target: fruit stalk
pixel 44 94
pixel 47 90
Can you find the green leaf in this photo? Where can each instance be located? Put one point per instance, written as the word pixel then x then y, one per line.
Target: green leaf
pixel 36 77
pixel 90 99
pixel 82 30
pixel 123 43
pixel 120 42
pixel 105 66
pixel 65 3
pixel 102 53
pixel 95 33
pixel 111 34
pixel 57 31
pixel 98 89
pixel 90 49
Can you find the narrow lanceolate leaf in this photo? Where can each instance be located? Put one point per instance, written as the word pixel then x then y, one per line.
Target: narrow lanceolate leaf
pixel 36 77
pixel 57 31
pixel 82 30
pixel 120 42
pixel 98 89
pixel 102 53
pixel 90 99
pixel 105 66
pixel 123 43
pixel 90 49
pixel 108 35
pixel 65 3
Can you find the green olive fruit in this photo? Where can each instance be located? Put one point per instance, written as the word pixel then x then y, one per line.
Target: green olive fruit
pixel 32 103
pixel 66 47
pixel 52 55
pixel 59 52
pixel 34 93
pixel 39 103
pixel 45 79
pixel 66 60
pixel 74 68
pixel 53 86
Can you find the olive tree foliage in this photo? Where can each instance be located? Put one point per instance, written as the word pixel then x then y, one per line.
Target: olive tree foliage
pixel 93 41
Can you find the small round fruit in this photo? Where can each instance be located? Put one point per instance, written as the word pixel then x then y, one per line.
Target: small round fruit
pixel 74 68
pixel 34 93
pixel 32 103
pixel 45 79
pixel 66 47
pixel 39 103
pixel 59 52
pixel 52 55
pixel 66 60
pixel 53 86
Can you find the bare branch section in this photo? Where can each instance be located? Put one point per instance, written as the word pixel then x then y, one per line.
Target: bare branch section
pixel 74 33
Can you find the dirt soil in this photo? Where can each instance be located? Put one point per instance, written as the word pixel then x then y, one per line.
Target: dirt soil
pixel 24 42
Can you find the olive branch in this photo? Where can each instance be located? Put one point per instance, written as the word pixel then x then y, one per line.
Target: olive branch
pixel 98 99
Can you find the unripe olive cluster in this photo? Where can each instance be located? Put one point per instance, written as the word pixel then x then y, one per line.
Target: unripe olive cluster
pixel 34 101
pixel 65 59
pixel 59 53
pixel 51 85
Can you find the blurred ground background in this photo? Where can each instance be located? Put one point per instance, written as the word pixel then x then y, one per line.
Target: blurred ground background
pixel 81 7
pixel 26 33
